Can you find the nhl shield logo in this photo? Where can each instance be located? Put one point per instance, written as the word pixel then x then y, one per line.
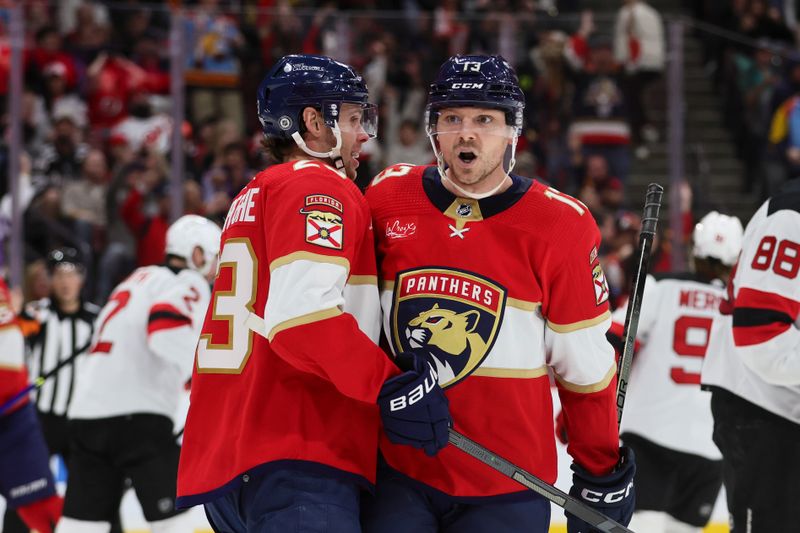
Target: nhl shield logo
pixel 453 315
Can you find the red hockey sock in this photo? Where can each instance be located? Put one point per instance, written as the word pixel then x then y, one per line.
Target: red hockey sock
pixel 42 515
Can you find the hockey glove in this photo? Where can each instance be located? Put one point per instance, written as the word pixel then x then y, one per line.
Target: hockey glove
pixel 413 407
pixel 612 494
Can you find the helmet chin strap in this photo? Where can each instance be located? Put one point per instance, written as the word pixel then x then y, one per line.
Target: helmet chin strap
pixel 335 153
pixel 461 191
pixel 472 195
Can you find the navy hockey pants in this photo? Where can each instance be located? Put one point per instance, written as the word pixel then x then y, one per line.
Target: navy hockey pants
pixel 288 500
pixel 399 507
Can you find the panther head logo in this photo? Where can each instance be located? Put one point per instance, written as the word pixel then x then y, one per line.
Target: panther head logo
pixel 453 336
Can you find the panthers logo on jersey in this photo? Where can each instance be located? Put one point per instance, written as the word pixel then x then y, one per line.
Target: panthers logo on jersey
pixel 451 314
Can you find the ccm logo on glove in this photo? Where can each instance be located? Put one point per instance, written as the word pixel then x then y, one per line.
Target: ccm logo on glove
pixel 417 393
pixel 607 497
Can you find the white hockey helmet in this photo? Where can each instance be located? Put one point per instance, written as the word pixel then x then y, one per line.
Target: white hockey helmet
pixel 190 231
pixel 718 236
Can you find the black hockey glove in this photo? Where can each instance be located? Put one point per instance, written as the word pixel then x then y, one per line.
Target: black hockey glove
pixel 612 494
pixel 413 407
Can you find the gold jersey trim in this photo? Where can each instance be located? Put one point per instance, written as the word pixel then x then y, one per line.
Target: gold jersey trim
pixel 593 387
pixel 302 320
pixel 523 305
pixel 575 326
pixel 524 373
pixel 387 285
pixel 362 280
pixel 308 256
pixel 5 366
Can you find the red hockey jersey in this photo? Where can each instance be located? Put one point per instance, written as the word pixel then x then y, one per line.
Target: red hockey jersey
pixel 287 368
pixel 13 373
pixel 498 291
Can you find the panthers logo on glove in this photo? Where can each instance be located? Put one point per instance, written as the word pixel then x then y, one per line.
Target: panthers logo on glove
pixel 453 315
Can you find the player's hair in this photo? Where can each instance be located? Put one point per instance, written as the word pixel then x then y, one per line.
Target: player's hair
pixel 711 268
pixel 277 149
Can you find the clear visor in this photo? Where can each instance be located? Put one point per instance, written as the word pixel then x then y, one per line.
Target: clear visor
pixel 356 118
pixel 468 120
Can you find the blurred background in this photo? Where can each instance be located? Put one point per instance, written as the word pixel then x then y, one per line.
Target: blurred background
pixel 117 117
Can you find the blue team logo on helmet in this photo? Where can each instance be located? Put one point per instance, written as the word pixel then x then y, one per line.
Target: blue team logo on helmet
pixel 299 81
pixel 477 81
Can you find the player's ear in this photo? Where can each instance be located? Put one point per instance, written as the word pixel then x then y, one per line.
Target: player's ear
pixel 313 122
pixel 198 257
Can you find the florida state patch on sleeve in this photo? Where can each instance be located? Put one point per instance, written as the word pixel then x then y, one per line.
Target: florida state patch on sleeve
pixel 600 284
pixel 324 223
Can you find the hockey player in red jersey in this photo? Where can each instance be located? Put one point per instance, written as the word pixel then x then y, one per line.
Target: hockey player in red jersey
pixel 497 278
pixel 26 482
pixel 667 418
pixel 123 409
pixel 283 426
pixel 753 371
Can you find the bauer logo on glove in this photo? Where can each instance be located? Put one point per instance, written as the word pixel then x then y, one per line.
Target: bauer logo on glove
pixel 416 394
pixel 413 406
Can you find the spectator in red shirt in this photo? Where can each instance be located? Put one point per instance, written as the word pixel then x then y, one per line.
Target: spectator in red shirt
pixel 49 49
pixel 146 210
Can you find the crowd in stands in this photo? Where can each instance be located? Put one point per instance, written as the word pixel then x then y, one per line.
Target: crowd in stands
pixel 96 107
pixel 756 69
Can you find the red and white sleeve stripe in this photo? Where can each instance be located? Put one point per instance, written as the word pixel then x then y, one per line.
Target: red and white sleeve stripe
pixel 765 335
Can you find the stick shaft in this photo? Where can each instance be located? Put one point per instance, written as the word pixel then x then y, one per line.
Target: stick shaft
pixel 649 222
pixel 38 382
pixel 562 499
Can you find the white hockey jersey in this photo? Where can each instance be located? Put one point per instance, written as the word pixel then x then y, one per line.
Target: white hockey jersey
pixel 664 401
pixel 143 346
pixel 757 351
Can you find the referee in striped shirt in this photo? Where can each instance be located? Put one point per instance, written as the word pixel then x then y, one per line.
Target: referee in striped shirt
pixel 59 326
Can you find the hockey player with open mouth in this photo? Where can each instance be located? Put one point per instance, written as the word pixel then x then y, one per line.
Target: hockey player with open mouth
pixel 495 278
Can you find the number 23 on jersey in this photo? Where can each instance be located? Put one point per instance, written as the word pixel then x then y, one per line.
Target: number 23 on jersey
pixel 225 341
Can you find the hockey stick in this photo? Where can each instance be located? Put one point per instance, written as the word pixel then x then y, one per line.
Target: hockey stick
pixel 38 382
pixel 652 204
pixel 572 505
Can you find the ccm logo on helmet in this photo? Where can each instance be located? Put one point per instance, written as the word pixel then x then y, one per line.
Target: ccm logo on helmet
pixel 608 497
pixel 467 86
pixel 416 394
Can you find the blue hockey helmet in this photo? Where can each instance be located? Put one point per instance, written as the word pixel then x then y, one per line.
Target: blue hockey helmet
pixel 299 81
pixel 477 81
